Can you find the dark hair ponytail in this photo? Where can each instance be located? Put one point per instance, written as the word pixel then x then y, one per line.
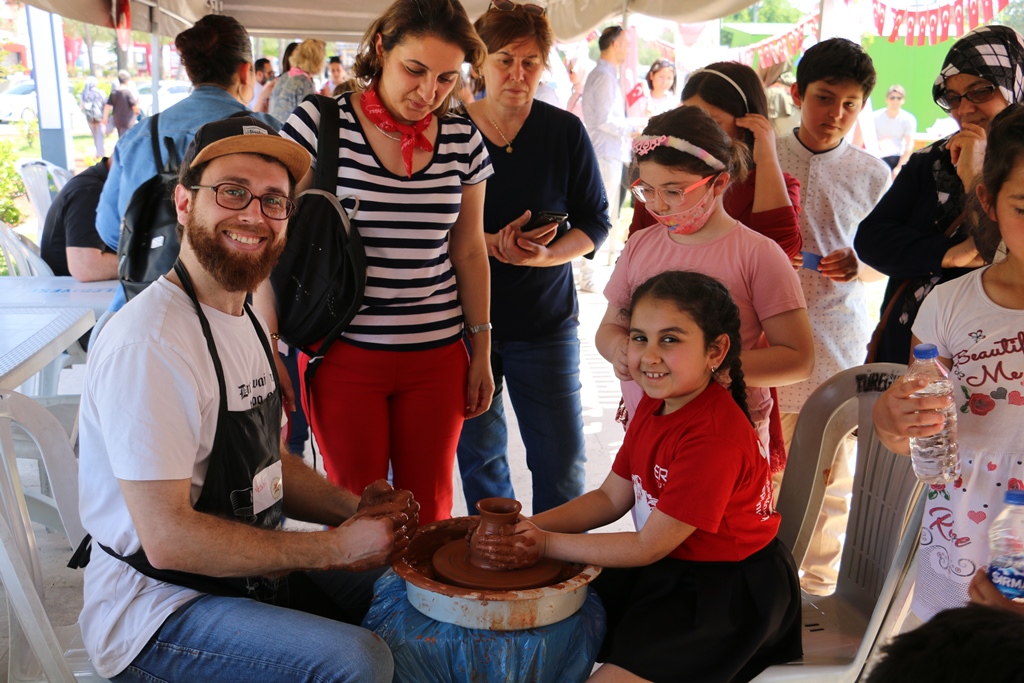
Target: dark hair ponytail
pixel 1003 152
pixel 709 303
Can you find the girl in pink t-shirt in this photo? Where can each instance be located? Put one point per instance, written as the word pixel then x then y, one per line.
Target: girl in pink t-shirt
pixel 686 162
pixel 702 590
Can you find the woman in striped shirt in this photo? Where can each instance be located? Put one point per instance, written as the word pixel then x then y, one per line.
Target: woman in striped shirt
pixel 398 387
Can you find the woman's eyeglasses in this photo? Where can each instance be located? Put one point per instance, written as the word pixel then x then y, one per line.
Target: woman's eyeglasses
pixel 949 101
pixel 509 6
pixel 646 193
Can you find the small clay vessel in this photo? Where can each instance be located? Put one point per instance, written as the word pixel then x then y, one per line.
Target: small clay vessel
pixel 494 513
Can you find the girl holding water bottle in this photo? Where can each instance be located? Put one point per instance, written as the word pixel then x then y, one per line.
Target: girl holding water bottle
pixel 977 324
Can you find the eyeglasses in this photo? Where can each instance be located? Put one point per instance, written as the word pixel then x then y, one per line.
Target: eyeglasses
pixel 645 192
pixel 509 6
pixel 894 97
pixel 949 101
pixel 274 206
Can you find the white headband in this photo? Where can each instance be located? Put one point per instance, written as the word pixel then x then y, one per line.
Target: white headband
pixel 643 144
pixel 746 105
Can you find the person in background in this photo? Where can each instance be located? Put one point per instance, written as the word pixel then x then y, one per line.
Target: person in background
pixel 784 115
pixel 286 59
pixel 70 244
pixel 543 161
pixel 263 86
pixel 895 128
pixel 123 105
pixel 661 87
pixel 217 57
pixel 394 391
pixel 93 103
pixel 916 234
pixel 308 59
pixel 839 185
pixel 336 75
pixel 604 113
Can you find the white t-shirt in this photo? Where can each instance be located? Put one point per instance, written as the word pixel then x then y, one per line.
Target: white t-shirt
pixel 149 413
pixel 986 344
pixel 838 188
pixel 893 131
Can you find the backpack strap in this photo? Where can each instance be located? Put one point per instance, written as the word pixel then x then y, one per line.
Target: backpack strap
pixel 327 145
pixel 172 152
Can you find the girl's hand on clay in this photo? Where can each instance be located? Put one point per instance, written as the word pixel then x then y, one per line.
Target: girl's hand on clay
pixel 522 547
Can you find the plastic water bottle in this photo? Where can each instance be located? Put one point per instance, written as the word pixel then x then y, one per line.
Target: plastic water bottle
pixel 936 458
pixel 1006 542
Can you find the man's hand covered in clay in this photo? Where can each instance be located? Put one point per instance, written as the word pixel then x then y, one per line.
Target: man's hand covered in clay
pixel 379 499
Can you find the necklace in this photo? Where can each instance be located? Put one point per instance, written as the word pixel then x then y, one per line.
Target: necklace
pixel 384 133
pixel 508 143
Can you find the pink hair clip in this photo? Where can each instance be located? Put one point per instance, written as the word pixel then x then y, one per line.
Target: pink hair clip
pixel 643 145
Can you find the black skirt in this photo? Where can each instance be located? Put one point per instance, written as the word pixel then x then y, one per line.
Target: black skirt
pixel 678 620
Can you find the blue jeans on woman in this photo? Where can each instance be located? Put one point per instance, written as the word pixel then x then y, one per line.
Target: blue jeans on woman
pixel 543 380
pixel 218 639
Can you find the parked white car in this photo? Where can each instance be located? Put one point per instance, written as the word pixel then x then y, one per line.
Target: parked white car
pixel 18 103
pixel 171 92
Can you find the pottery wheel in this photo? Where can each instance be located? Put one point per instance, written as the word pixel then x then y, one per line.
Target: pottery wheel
pixel 451 563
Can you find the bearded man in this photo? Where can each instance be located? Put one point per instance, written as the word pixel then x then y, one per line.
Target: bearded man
pixel 183 478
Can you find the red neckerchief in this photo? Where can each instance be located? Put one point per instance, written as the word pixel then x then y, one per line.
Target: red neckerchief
pixel 412 136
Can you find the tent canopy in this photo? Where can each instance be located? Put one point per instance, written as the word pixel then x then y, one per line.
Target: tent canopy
pixel 346 20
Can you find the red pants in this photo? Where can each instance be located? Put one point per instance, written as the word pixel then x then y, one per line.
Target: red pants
pixel 371 408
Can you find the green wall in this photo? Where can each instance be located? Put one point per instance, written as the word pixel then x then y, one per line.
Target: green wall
pixel 915 68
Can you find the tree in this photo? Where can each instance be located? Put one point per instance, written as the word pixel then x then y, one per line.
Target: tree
pixel 767 11
pixel 1012 16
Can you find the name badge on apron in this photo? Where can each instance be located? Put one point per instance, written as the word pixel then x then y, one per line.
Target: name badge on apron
pixel 267 488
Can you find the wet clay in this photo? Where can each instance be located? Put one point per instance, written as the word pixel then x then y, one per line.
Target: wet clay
pixel 498 517
pixel 453 564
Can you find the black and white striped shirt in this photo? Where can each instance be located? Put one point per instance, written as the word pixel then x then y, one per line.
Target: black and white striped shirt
pixel 411 302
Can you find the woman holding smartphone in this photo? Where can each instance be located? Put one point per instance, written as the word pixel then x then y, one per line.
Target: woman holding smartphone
pixel 395 390
pixel 543 162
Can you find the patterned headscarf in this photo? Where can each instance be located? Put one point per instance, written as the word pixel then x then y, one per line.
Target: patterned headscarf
pixel 995 53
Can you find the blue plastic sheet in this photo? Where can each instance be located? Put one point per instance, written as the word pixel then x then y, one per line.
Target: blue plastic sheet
pixel 428 650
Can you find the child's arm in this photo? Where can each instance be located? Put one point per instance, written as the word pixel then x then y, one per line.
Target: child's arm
pixel 591 510
pixel 984 592
pixel 790 356
pixel 898 416
pixel 612 341
pixel 660 536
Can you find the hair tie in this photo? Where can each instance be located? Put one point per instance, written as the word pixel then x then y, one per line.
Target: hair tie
pixel 746 105
pixel 643 145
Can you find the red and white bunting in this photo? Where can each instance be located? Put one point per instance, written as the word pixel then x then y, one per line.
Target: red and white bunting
pixel 934 24
pixel 778 49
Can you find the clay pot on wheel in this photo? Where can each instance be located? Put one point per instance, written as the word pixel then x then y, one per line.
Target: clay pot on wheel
pixel 494 514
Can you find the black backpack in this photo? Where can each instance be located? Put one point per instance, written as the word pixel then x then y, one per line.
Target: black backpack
pixel 148 245
pixel 321 276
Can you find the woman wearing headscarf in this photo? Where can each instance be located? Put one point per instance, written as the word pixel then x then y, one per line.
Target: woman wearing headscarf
pixel 916 234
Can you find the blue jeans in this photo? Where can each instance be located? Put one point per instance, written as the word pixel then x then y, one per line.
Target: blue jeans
pixel 543 380
pixel 299 432
pixel 225 640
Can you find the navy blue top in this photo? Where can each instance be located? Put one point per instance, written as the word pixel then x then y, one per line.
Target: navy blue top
pixel 552 168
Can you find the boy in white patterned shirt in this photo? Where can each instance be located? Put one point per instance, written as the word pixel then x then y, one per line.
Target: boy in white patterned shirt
pixel 840 184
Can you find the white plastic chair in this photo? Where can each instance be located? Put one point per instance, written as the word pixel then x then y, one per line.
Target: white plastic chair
pixel 43 180
pixel 841 631
pixel 38 651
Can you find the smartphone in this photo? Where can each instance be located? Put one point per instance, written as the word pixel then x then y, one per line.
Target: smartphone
pixel 542 218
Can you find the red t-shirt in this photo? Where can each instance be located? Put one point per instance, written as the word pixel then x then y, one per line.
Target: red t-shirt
pixel 703 466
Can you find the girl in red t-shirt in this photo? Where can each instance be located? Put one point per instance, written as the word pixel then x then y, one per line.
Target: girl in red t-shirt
pixel 702 590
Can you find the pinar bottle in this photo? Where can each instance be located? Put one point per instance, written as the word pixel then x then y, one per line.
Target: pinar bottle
pixel 1006 548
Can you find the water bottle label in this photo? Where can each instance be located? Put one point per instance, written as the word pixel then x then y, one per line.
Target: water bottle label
pixel 1009 581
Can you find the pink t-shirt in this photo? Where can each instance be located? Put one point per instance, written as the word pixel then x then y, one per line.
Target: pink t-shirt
pixel 754 268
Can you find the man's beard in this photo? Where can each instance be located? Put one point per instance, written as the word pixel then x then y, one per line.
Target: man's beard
pixel 235 271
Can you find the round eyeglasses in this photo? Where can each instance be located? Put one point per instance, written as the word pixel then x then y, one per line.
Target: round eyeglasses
pixel 229 196
pixel 949 101
pixel 509 6
pixel 646 193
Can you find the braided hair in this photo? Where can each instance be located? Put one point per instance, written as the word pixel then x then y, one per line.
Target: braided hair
pixel 708 302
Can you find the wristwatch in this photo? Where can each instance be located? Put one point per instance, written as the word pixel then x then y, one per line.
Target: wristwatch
pixel 477 329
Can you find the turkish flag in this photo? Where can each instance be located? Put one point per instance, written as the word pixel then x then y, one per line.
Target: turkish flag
pixel 958 17
pixel 922 28
pixel 898 18
pixel 634 95
pixel 944 18
pixel 912 18
pixel 933 26
pixel 972 14
pixel 879 12
pixel 1001 5
pixel 986 10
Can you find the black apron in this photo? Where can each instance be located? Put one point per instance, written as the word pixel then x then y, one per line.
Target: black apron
pixel 245 443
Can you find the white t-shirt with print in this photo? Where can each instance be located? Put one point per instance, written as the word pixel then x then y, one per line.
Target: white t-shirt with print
pixel 986 344
pixel 149 413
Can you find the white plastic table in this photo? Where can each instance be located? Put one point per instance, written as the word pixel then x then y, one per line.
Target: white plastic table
pixel 31 337
pixel 55 290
